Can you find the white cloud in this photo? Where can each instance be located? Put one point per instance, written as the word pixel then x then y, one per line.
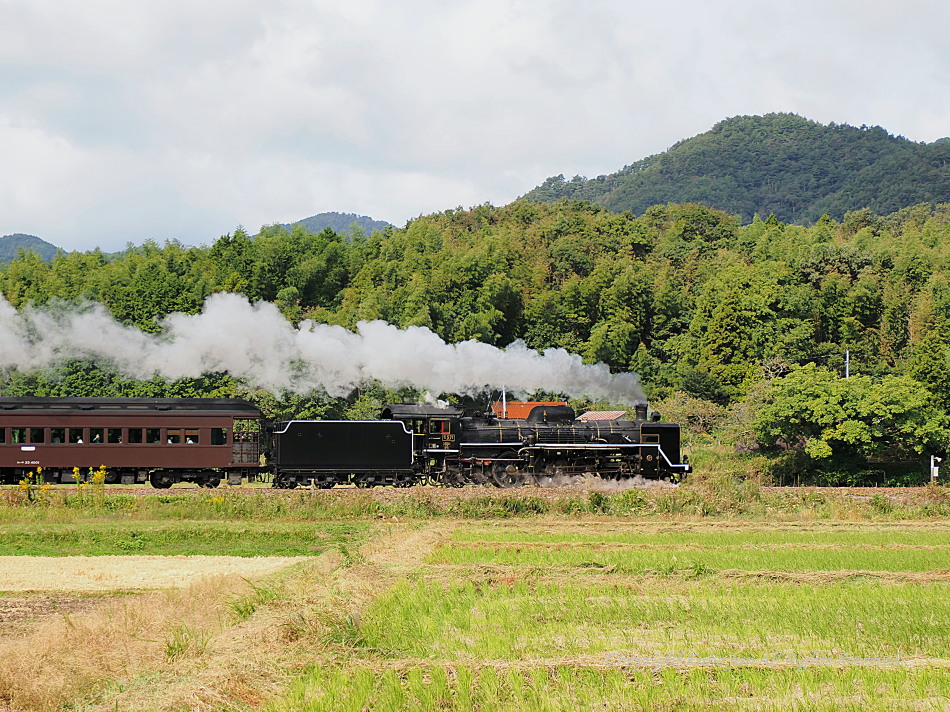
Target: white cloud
pixel 123 121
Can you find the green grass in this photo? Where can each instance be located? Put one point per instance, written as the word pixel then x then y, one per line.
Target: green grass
pixel 649 560
pixel 565 616
pixel 649 549
pixel 568 688
pixel 525 619
pixel 703 500
pixel 170 538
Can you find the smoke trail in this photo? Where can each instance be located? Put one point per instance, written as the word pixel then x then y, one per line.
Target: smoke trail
pixel 255 343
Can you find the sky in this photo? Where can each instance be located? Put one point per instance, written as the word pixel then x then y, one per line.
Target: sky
pixel 183 119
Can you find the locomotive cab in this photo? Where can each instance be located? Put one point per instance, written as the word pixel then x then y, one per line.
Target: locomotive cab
pixel 435 432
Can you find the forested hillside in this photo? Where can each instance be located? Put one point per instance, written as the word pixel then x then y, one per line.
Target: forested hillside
pixel 10 244
pixel 756 318
pixel 779 164
pixel 343 223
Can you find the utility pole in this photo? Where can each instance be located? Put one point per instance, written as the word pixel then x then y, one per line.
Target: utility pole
pixel 847 363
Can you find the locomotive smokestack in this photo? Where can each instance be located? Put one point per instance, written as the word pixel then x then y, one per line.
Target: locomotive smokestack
pixel 640 410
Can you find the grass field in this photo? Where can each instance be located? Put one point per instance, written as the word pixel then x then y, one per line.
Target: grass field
pixel 567 616
pixel 169 538
pixel 416 600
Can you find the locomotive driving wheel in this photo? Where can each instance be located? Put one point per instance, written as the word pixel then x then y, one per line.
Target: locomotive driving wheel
pixel 506 472
pixel 452 477
pixel 552 473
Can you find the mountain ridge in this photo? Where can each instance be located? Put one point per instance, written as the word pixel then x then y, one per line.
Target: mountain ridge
pixel 10 244
pixel 340 222
pixel 781 164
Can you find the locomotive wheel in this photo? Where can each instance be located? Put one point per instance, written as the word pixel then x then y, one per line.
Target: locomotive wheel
pixel 507 474
pixel 480 474
pixel 552 473
pixel 454 478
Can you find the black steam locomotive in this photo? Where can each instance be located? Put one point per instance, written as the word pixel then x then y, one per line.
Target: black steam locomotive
pixel 420 443
pixel 205 440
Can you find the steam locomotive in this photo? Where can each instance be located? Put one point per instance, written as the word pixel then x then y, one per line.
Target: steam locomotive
pixel 207 440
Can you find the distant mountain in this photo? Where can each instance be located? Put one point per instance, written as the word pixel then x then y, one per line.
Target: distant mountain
pixel 778 163
pixel 341 223
pixel 9 244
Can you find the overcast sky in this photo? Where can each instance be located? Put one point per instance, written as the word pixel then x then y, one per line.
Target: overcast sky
pixel 180 119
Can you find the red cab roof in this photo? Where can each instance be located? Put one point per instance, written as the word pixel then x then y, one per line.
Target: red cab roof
pixel 519 409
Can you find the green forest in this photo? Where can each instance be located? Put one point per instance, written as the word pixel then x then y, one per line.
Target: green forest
pixel 739 332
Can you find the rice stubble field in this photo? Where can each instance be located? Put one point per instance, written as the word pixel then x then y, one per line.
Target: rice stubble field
pixel 550 610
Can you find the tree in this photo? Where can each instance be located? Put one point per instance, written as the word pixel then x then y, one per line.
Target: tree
pixel 929 363
pixel 732 318
pixel 833 417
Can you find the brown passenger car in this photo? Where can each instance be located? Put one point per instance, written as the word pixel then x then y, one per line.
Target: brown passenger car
pixel 160 440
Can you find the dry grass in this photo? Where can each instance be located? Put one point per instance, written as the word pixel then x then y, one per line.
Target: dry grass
pixel 69 656
pixel 624 546
pixel 493 574
pixel 170 650
pixel 191 649
pixel 247 661
pixel 92 574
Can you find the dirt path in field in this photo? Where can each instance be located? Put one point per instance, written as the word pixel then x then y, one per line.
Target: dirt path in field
pixel 407 546
pixel 123 573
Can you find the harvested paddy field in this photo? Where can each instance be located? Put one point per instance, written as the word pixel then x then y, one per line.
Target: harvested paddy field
pixel 609 615
pixel 126 573
pixel 514 601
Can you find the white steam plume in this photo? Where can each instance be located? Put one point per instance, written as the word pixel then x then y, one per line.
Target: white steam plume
pixel 255 343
